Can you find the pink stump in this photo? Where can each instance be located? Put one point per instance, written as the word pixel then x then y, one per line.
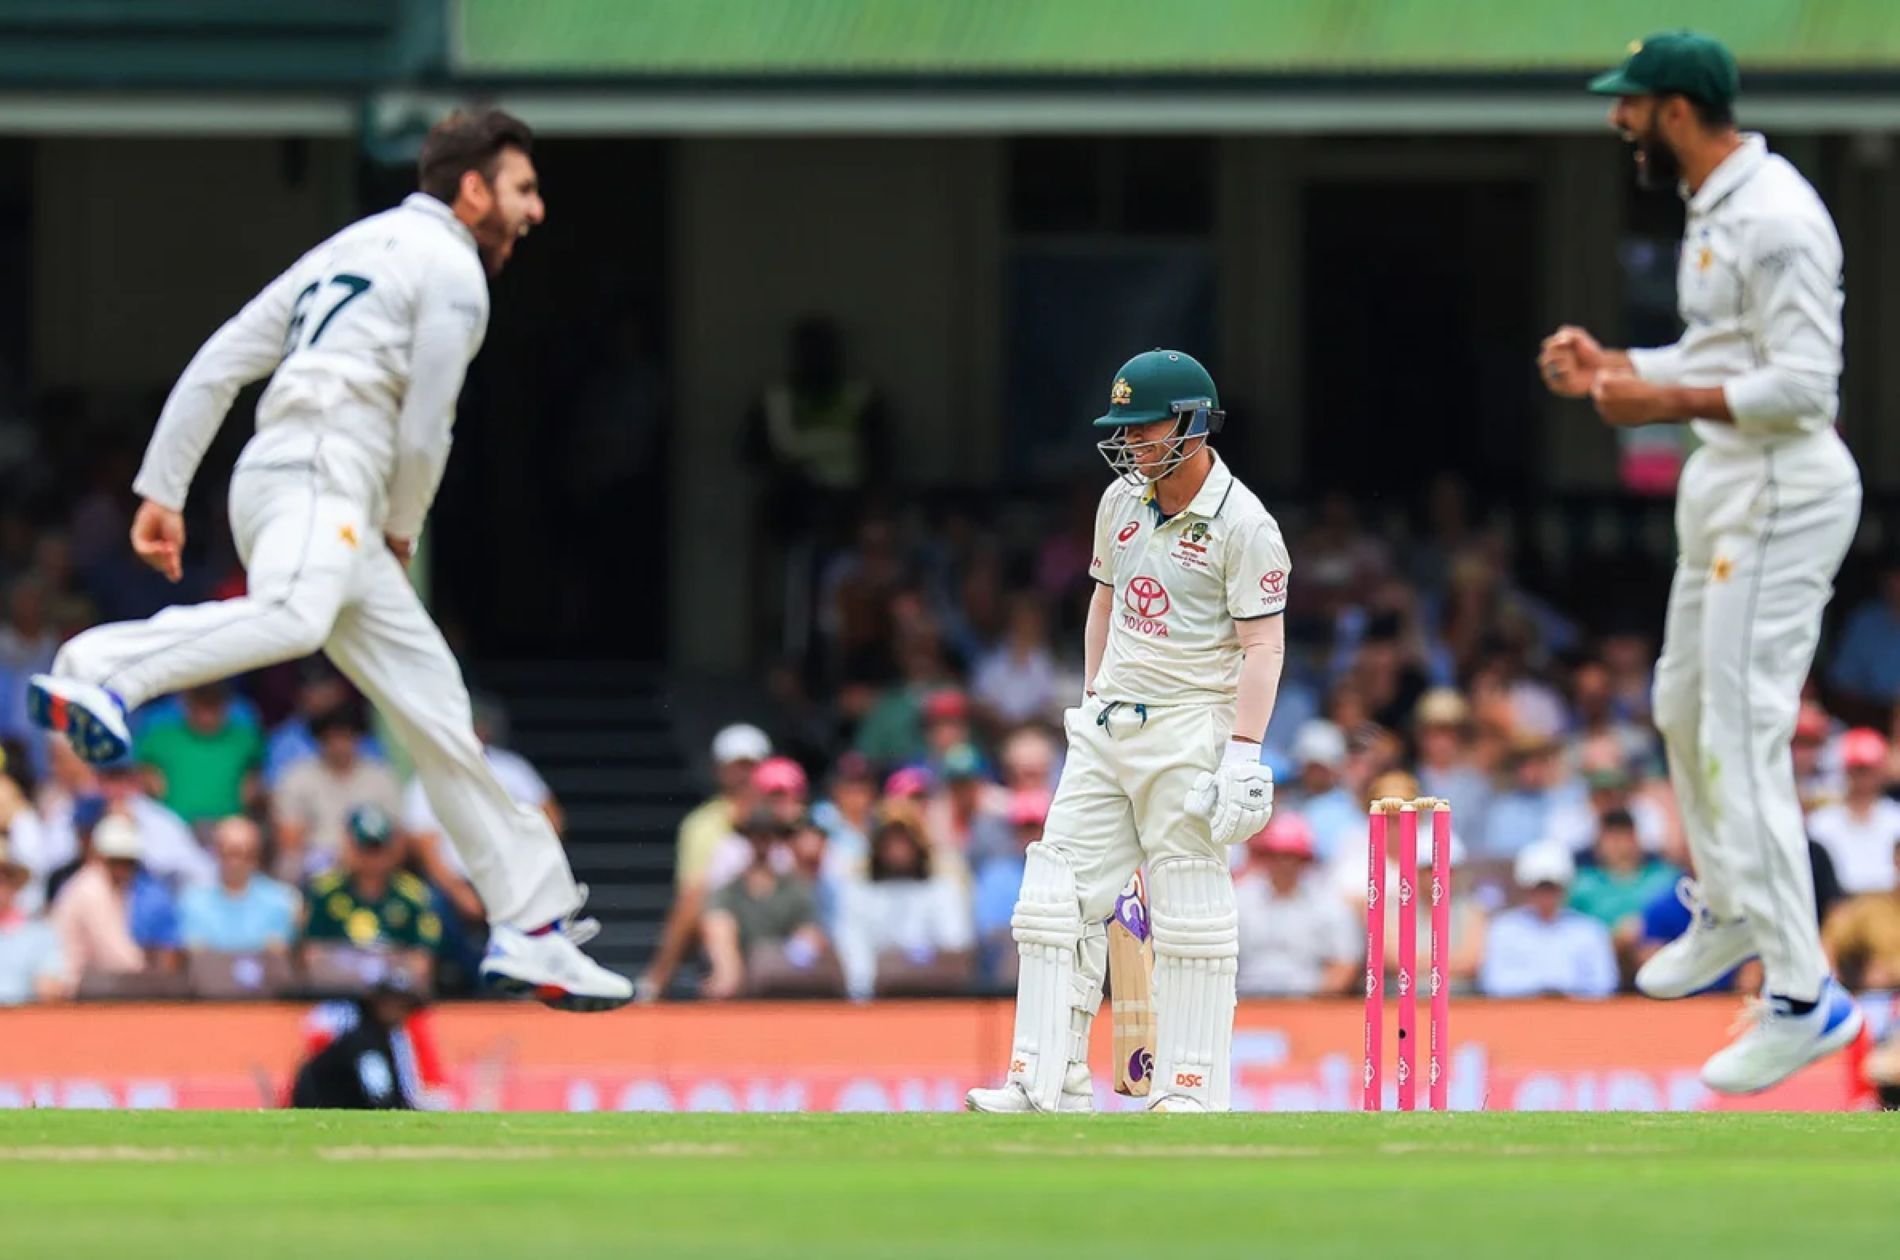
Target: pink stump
pixel 1372 1079
pixel 1439 1066
pixel 1408 959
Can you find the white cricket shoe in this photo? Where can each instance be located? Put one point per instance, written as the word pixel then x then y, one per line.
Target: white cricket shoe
pixel 1778 1043
pixel 1709 950
pixel 550 966
pixel 91 718
pixel 1078 1094
pixel 1177 1104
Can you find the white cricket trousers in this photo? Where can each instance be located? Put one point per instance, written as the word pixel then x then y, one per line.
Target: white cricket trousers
pixel 1761 535
pixel 321 578
pixel 1122 797
pixel 1122 801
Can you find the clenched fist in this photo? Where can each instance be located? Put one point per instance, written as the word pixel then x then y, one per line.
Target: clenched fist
pixel 1569 361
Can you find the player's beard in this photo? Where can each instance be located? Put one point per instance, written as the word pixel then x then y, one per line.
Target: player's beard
pixel 1658 166
pixel 495 239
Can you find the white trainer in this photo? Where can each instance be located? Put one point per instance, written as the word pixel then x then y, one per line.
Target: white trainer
pixel 91 718
pixel 1776 1043
pixel 550 966
pixel 1078 1095
pixel 1709 950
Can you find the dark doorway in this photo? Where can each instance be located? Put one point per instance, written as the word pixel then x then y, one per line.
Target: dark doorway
pixel 1420 334
pixel 548 538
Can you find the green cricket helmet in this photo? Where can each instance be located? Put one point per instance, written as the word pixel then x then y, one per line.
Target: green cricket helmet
pixel 1158 385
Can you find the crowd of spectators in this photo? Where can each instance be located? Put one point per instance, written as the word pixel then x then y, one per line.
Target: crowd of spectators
pixel 258 840
pixel 868 832
pixel 232 855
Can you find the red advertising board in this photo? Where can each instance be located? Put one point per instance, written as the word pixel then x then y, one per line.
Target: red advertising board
pixel 1624 1054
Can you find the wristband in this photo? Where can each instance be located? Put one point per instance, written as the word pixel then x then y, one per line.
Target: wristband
pixel 1241 752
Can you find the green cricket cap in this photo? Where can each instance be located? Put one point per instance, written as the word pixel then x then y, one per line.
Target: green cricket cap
pixel 1675 61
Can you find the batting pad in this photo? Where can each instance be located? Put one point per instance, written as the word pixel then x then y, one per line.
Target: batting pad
pixel 1197 950
pixel 1047 926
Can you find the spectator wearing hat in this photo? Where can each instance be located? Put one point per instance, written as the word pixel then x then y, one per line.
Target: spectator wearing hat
pixel 1331 811
pixel 762 929
pixel 77 796
pixel 737 752
pixel 999 879
pixel 845 815
pixel 1620 883
pixel 1524 815
pixel 962 823
pixel 1297 939
pixel 23 836
pixel 1859 832
pixel 245 911
pixel 1862 936
pixel 1817 776
pixel 1441 727
pixel 781 790
pixel 736 757
pixel 904 929
pixel 912 783
pixel 1610 787
pixel 112 917
pixel 312 804
pixel 369 903
pixel 207 759
pixel 946 721
pixel 1542 948
pixel 32 966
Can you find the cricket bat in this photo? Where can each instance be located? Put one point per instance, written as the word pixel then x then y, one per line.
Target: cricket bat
pixel 1131 963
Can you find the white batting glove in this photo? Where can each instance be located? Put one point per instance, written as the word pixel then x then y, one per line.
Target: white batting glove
pixel 1236 799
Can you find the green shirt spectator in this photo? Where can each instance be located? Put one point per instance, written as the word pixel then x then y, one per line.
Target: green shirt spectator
pixel 208 757
pixel 1624 879
pixel 369 901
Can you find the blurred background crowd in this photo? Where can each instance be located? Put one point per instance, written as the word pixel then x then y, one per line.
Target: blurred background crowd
pixel 867 832
pixel 865 826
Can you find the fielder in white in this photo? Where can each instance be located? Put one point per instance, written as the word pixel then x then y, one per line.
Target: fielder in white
pixel 1764 515
pixel 366 339
pixel 1183 653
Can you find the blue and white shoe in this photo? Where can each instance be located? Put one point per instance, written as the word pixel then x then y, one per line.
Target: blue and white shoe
pixel 91 718
pixel 1701 956
pixel 1776 1043
pixel 550 966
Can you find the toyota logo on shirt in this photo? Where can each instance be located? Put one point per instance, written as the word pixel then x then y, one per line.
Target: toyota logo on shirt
pixel 1146 597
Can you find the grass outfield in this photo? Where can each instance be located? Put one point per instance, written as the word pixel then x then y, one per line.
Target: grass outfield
pixel 275 1185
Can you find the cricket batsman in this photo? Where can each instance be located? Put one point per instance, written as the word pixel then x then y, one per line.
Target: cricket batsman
pixel 1765 511
pixel 1182 654
pixel 366 339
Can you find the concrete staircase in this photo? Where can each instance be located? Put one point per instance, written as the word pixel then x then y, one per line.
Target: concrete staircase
pixel 601 734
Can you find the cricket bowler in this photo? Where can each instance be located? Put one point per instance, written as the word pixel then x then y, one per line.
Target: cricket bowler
pixel 1765 511
pixel 1182 653
pixel 366 339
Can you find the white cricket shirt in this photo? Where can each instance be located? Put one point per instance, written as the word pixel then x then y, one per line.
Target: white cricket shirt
pixel 366 339
pixel 1758 287
pixel 1180 584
